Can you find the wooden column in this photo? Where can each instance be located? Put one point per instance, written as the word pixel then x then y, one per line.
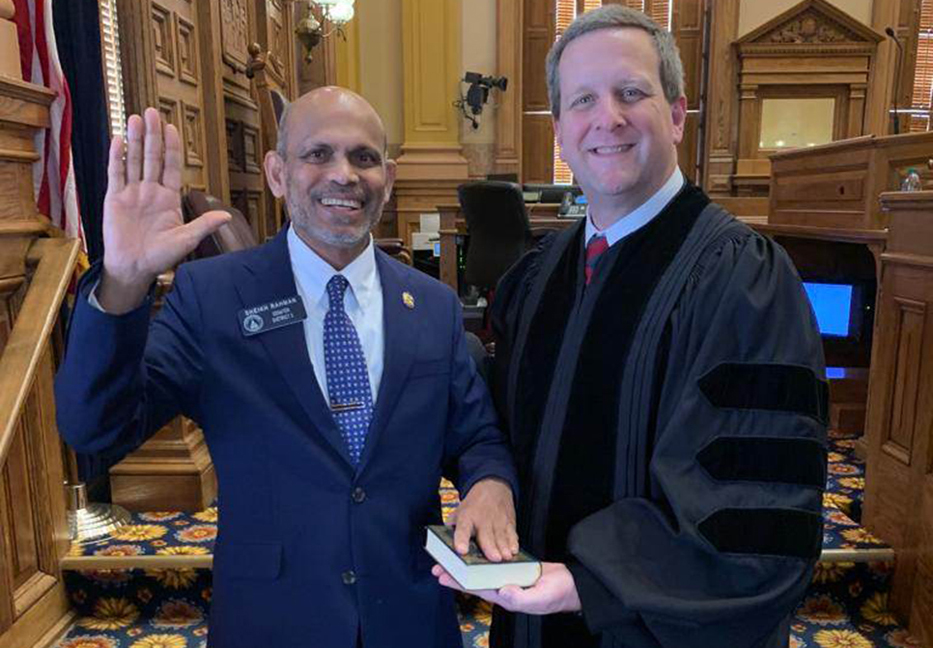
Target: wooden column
pixel 509 115
pixel 721 106
pixel 877 117
pixel 431 164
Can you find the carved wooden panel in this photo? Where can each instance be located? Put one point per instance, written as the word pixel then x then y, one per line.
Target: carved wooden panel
pixel 28 548
pixel 235 161
pixel 19 525
pixel 254 211
pixel 193 136
pixel 688 25
pixel 252 150
pixel 235 33
pixel 537 149
pixel 179 92
pixel 187 50
pixel 538 36
pixel 909 340
pixel 163 43
pixel 168 108
pixel 280 42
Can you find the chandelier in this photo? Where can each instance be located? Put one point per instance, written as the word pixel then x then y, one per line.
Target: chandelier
pixel 334 15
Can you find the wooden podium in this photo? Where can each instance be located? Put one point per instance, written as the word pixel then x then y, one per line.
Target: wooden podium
pixel 899 430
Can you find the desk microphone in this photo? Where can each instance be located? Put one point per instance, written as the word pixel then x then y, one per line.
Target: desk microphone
pixel 897 75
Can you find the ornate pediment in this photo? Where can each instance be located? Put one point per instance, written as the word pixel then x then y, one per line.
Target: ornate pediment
pixel 812 22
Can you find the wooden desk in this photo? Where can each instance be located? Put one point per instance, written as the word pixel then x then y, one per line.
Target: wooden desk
pixel 453 224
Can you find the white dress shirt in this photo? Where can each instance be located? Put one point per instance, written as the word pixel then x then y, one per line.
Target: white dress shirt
pixel 640 216
pixel 362 301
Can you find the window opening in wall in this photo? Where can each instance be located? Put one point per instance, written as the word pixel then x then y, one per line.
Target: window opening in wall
pixel 920 109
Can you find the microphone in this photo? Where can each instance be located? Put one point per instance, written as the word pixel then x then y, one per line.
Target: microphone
pixel 897 75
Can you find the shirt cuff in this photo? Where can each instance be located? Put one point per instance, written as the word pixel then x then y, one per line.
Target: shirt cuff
pixel 92 297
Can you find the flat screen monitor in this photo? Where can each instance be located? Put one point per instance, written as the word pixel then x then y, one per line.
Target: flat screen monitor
pixel 833 306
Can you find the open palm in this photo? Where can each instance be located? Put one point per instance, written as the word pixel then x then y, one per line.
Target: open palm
pixel 144 232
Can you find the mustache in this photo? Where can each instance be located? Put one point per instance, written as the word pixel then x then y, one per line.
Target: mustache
pixel 360 196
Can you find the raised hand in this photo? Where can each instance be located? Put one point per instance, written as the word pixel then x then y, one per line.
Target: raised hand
pixel 144 231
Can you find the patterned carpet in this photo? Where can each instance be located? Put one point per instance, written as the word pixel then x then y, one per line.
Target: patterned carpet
pixel 845 606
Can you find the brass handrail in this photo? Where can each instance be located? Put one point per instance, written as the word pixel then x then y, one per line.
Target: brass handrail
pixel 26 344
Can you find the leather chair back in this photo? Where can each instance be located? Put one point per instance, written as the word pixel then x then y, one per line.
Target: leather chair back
pixel 233 236
pixel 498 227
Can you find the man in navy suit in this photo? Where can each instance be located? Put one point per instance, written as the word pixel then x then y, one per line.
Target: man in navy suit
pixel 333 385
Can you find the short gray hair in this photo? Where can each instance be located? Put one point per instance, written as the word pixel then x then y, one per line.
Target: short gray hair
pixel 615 16
pixel 281 143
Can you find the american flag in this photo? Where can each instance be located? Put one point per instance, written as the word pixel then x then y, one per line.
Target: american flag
pixel 53 174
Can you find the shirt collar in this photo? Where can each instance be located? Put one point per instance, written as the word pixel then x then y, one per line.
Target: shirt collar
pixel 312 272
pixel 640 216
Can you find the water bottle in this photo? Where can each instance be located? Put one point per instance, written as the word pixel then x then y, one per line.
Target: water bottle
pixel 912 181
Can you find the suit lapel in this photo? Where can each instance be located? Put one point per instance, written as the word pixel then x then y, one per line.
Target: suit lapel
pixel 401 325
pixel 265 277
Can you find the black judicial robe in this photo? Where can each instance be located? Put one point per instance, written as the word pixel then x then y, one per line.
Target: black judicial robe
pixel 669 426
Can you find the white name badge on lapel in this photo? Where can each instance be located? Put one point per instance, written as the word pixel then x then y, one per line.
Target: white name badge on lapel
pixel 268 317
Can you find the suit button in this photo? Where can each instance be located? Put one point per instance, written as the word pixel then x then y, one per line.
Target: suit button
pixel 349 577
pixel 358 495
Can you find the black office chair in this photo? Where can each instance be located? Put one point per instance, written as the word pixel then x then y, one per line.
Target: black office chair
pixel 498 227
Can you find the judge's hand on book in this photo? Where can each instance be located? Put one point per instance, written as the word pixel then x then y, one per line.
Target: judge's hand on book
pixel 144 231
pixel 555 591
pixel 487 513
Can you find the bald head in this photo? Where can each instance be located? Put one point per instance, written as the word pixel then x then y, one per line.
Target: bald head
pixel 329 103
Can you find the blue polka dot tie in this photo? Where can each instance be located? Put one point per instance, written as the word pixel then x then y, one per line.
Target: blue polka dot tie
pixel 351 399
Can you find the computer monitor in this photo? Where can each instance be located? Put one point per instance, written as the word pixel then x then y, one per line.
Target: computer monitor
pixel 842 309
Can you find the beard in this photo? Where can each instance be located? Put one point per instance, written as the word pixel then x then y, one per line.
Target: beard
pixel 301 213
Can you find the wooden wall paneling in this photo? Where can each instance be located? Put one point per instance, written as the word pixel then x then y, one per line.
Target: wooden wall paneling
pixel 720 150
pixel 241 114
pixel 183 39
pixel 137 51
pixel 176 51
pixel 537 149
pixel 538 26
pixel 276 36
pixel 509 22
pixel 212 103
pixel 688 26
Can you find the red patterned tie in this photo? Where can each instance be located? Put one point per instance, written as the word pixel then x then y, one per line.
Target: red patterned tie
pixel 594 248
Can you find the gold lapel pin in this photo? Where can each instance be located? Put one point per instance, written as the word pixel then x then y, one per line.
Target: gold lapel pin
pixel 408 300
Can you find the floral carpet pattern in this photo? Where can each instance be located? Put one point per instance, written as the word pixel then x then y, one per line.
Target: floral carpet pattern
pixel 845 606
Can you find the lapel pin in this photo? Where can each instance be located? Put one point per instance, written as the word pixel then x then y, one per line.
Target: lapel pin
pixel 408 300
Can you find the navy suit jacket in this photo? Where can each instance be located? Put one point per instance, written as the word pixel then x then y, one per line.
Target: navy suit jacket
pixel 310 551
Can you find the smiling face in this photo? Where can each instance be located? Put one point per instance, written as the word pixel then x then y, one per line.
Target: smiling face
pixel 616 130
pixel 334 177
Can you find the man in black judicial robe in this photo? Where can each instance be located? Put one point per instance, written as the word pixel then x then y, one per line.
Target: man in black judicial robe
pixel 663 386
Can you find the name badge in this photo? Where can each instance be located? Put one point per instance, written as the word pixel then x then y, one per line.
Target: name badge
pixel 267 317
